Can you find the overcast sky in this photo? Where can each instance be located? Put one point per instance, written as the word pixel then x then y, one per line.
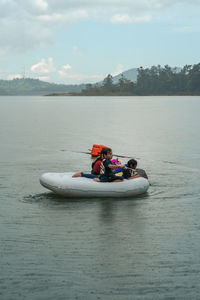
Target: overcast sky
pixel 75 41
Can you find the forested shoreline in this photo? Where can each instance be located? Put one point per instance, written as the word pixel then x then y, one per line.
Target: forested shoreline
pixel 30 87
pixel 156 80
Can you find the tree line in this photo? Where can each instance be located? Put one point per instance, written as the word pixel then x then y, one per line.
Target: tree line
pixel 30 86
pixel 156 80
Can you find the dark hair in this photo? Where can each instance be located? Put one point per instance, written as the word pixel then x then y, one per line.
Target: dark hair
pixel 132 162
pixel 102 151
pixel 105 151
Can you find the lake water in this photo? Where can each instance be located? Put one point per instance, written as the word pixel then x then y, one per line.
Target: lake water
pixel 145 247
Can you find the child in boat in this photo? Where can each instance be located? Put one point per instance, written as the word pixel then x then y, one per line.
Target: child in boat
pixel 95 172
pixel 132 164
pixel 131 171
pixel 97 163
pixel 106 173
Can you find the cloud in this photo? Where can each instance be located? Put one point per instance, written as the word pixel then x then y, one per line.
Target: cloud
pixel 127 19
pixel 51 18
pixel 42 4
pixel 14 76
pixel 30 24
pixel 21 36
pixel 118 71
pixel 62 72
pixel 44 78
pixel 67 67
pixel 44 67
pixel 65 17
pixel 81 78
pixel 85 78
pixel 25 25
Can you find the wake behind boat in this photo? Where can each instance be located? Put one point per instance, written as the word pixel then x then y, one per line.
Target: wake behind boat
pixel 64 184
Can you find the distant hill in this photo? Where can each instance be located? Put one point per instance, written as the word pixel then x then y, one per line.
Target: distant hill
pixel 130 74
pixel 29 86
pixel 156 80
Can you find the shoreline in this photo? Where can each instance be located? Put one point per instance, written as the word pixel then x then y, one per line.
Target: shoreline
pixel 115 95
pixel 78 95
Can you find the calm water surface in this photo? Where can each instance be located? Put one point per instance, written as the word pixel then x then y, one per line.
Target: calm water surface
pixel 138 248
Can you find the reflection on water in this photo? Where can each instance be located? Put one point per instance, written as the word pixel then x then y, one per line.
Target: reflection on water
pixel 144 247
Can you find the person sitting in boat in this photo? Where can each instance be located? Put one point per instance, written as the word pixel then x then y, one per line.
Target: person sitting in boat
pixel 131 171
pixel 97 163
pixel 106 171
pixel 132 163
pixel 95 172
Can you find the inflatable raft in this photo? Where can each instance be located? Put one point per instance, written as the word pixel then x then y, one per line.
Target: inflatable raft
pixel 64 184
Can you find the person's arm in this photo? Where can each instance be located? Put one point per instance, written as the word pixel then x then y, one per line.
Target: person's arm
pixel 117 170
pixel 111 166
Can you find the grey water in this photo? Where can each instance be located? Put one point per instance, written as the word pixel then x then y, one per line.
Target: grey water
pixel 145 247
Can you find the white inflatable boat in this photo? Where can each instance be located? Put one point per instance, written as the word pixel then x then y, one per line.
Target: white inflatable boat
pixel 63 184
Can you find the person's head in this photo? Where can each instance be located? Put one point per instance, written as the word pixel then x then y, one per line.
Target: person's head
pixel 107 153
pixel 132 163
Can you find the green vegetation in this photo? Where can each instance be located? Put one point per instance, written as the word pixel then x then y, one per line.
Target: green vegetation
pixel 156 80
pixel 28 86
pixel 152 81
pixel 122 87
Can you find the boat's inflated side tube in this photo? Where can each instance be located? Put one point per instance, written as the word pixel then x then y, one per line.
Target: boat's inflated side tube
pixel 64 184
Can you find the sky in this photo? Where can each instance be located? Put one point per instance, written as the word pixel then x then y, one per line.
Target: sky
pixel 82 41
